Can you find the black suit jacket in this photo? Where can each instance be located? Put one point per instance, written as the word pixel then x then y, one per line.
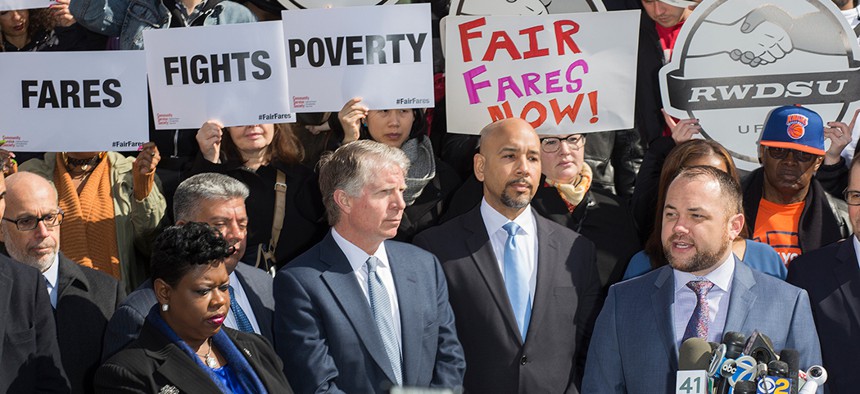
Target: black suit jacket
pixel 567 300
pixel 29 355
pixel 86 300
pixel 831 276
pixel 152 362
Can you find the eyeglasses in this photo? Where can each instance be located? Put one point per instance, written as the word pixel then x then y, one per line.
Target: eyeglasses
pixel 52 219
pixel 553 144
pixel 852 197
pixel 782 153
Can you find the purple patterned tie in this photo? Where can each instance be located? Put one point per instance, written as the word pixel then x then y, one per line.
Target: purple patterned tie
pixel 698 324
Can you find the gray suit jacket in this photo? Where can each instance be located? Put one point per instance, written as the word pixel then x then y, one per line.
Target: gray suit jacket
pixel 126 322
pixel 86 300
pixel 567 298
pixel 328 338
pixel 633 349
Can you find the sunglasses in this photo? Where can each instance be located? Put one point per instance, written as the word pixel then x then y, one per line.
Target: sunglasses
pixel 782 153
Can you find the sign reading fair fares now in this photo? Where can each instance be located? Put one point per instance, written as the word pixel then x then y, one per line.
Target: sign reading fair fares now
pixel 563 73
pixel 383 54
pixel 73 101
pixel 235 74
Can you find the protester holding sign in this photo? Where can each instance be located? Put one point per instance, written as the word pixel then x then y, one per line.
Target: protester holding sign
pixel 430 182
pixel 112 208
pixel 46 29
pixel 266 157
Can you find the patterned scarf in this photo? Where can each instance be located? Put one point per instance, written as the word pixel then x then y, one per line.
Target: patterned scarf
pixel 422 168
pixel 572 194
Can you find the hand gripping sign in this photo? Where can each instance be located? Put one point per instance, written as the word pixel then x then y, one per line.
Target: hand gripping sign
pixel 735 60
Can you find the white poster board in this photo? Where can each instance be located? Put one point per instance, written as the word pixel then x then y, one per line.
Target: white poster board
pixel 383 54
pixel 736 60
pixel 523 7
pixel 563 73
pixel 235 74
pixel 73 101
pixel 7 5
pixel 302 4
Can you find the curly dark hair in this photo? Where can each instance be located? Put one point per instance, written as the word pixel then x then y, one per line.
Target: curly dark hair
pixel 180 248
pixel 41 22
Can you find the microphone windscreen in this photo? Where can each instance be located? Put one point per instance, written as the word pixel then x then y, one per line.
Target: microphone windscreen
pixel 760 347
pixel 792 358
pixel 734 342
pixel 744 387
pixel 777 368
pixel 695 354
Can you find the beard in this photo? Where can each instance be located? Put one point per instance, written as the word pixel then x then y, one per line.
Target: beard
pixel 701 260
pixel 517 202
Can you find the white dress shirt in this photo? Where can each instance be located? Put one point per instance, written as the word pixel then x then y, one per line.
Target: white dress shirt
pixel 526 240
pixel 52 275
pixel 718 300
pixel 242 299
pixel 856 247
pixel 357 259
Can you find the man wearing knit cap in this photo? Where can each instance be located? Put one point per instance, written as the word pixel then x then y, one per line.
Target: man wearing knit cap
pixel 785 206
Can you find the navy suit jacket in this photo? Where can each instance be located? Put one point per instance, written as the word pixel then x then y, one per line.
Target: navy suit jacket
pixel 633 348
pixel 328 338
pixel 832 278
pixel 128 319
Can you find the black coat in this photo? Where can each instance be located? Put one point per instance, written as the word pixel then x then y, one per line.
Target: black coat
pixel 152 362
pixel 86 300
pixel 429 207
pixel 29 355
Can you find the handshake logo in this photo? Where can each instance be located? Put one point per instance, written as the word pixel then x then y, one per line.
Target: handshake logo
pixel 736 60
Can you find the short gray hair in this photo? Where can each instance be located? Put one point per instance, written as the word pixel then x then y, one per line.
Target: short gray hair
pixel 350 167
pixel 205 186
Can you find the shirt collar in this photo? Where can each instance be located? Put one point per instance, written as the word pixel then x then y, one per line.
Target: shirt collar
pixel 720 277
pixel 355 255
pixel 856 248
pixel 494 220
pixel 53 272
pixel 851 14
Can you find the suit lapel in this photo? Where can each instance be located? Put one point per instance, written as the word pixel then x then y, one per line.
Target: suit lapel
pixel 263 316
pixel 741 298
pixel 245 347
pixel 411 318
pixel 341 281
pixel 848 276
pixel 548 260
pixel 662 301
pixel 181 371
pixel 485 260
pixel 6 297
pixel 68 274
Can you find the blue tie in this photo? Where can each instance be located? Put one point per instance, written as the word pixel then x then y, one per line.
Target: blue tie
pixel 517 280
pixel 381 309
pixel 242 322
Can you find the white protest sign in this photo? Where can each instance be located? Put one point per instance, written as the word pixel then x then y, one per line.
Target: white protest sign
pixel 563 73
pixel 523 7
pixel 235 74
pixel 302 4
pixel 383 54
pixel 73 101
pixel 7 5
pixel 736 60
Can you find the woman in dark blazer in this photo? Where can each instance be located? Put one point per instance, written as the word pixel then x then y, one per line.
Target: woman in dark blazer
pixel 182 346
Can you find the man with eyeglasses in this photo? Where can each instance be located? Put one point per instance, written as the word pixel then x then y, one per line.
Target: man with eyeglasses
pixel 784 203
pixel 83 299
pixel 831 276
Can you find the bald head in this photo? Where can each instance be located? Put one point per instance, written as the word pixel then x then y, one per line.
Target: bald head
pixel 31 199
pixel 508 164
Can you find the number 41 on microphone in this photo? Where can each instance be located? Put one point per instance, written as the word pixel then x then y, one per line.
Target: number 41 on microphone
pixel 692 382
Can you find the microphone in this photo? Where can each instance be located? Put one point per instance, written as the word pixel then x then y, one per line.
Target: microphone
pixel 815 377
pixel 760 347
pixel 745 369
pixel 694 357
pixel 775 379
pixel 744 387
pixel 792 358
pixel 724 366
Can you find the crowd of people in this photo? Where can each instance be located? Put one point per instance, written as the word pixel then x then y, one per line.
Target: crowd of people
pixel 366 249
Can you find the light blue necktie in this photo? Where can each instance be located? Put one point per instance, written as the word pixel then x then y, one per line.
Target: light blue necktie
pixel 381 309
pixel 517 280
pixel 242 322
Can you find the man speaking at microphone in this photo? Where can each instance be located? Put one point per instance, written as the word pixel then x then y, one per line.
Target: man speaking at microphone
pixel 704 292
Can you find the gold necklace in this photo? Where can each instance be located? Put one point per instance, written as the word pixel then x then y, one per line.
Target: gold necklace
pixel 210 361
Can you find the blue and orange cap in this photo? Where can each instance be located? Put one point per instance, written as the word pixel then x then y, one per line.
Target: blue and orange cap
pixel 794 127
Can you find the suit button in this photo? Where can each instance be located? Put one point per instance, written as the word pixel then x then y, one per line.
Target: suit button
pixel 524 360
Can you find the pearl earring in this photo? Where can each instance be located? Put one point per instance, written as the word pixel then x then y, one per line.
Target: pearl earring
pixel 164 307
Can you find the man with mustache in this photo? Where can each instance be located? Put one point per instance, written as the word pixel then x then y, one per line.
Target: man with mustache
pixel 524 289
pixel 784 203
pixel 705 291
pixel 83 298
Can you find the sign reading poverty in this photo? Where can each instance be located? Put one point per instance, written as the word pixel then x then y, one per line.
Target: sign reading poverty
pixel 383 54
pixel 8 5
pixel 235 74
pixel 73 101
pixel 736 60
pixel 563 73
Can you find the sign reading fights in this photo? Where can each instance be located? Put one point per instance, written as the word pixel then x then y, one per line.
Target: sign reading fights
pixel 563 73
pixel 72 101
pixel 236 74
pixel 735 61
pixel 383 54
